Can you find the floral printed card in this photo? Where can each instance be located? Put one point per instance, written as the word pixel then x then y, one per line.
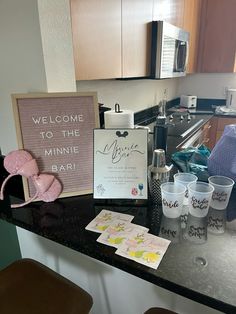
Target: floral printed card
pixel 144 248
pixel 120 230
pixel 103 220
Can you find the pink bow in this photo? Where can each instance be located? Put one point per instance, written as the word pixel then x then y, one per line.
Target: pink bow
pixel 20 162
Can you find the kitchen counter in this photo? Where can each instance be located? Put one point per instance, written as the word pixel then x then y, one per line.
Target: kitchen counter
pixel 212 110
pixel 225 115
pixel 206 106
pixel 204 272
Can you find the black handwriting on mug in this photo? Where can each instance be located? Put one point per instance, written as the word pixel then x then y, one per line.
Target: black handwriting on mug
pixel 170 204
pixel 200 204
pixel 196 231
pixel 215 222
pixel 117 152
pixel 219 196
pixel 168 232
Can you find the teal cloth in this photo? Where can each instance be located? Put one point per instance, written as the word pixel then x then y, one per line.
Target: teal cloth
pixel 193 160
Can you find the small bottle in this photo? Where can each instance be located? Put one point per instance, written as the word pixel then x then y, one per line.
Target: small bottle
pixel 160 134
pixel 158 173
pixel 160 131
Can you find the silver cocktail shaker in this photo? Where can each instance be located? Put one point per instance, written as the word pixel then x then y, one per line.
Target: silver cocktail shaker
pixel 158 173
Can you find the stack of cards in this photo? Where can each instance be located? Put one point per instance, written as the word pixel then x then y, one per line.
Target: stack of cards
pixel 132 241
pixel 119 231
pixel 103 220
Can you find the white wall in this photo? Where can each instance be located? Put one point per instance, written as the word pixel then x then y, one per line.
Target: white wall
pixel 21 61
pixel 140 94
pixel 30 62
pixel 207 85
pixel 55 24
pixel 132 94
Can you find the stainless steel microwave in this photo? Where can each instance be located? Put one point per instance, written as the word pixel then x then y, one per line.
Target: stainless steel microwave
pixel 170 50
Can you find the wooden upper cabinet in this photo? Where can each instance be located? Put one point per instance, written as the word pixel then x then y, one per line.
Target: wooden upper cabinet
pixel 217 45
pixel 184 14
pixel 192 15
pixel 112 38
pixel 96 31
pixel 171 11
pixel 136 37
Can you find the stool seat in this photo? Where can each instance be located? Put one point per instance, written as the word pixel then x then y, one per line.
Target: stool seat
pixel 28 287
pixel 159 310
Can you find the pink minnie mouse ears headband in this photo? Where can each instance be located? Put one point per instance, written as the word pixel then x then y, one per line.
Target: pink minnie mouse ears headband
pixel 20 162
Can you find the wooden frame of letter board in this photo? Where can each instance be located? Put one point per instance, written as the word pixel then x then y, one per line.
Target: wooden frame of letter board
pixel 74 182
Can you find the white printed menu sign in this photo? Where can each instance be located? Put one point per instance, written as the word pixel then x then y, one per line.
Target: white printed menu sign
pixel 120 164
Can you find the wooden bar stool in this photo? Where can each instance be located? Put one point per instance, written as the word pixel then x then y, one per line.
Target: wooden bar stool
pixel 28 287
pixel 159 310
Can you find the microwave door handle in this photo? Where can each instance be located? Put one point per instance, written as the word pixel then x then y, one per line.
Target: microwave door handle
pixel 187 56
pixel 185 62
pixel 176 58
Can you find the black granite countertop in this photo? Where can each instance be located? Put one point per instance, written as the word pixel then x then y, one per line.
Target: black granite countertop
pixel 206 106
pixel 203 272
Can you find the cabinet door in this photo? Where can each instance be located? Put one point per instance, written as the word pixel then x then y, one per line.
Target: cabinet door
pixel 213 132
pixel 96 30
pixel 192 14
pixel 171 11
pixel 217 37
pixel 218 124
pixel 222 122
pixel 136 37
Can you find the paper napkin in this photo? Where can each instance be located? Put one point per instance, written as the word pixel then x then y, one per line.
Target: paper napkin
pixel 103 220
pixel 119 231
pixel 144 248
